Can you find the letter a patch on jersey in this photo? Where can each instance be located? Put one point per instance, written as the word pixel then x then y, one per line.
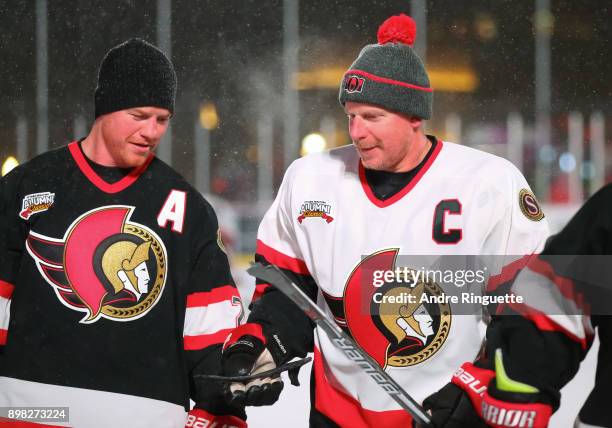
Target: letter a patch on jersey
pixel 173 211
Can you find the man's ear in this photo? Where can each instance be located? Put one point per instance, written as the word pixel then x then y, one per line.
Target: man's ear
pixel 415 122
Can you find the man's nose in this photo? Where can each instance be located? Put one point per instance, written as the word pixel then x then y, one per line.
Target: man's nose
pixel 152 129
pixel 357 129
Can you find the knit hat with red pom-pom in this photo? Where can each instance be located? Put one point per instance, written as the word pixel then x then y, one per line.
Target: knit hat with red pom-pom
pixel 390 74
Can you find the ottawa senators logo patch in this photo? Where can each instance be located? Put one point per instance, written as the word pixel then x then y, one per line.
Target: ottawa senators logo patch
pixel 105 265
pixel 393 323
pixel 529 205
pixel 353 84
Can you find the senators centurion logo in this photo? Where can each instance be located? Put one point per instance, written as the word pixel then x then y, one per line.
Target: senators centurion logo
pixel 36 203
pixel 310 209
pixel 105 266
pixel 395 323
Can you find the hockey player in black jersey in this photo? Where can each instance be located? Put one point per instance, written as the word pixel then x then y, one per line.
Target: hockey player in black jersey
pixel 114 286
pixel 534 349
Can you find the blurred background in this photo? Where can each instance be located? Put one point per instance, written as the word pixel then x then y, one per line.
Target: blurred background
pixel 258 83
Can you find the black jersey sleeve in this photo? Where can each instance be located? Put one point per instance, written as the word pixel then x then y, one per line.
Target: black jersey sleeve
pixel 213 309
pixel 12 237
pixel 280 317
pixel 543 348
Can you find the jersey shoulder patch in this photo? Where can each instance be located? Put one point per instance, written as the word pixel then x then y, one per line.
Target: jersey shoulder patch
pixel 529 205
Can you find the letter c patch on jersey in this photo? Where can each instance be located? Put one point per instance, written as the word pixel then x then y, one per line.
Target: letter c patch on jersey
pixel 173 211
pixel 440 233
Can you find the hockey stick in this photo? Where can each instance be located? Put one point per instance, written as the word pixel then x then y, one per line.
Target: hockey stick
pixel 273 275
pixel 268 373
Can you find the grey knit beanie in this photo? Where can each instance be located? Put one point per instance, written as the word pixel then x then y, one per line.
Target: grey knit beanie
pixel 135 74
pixel 390 74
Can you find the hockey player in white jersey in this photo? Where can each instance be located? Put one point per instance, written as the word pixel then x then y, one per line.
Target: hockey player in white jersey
pixel 343 215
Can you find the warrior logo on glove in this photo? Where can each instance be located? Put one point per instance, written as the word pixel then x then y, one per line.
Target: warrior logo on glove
pixel 395 330
pixel 104 266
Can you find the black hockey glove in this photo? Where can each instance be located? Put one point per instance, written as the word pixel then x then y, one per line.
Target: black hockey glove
pixel 451 407
pixel 245 353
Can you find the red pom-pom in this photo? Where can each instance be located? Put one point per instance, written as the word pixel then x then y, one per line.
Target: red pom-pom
pixel 397 29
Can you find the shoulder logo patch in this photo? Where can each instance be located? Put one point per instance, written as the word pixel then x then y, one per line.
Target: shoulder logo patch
pixel 310 209
pixel 36 203
pixel 529 205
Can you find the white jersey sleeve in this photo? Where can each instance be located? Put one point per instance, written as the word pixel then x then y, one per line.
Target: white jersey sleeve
pixel 523 221
pixel 519 230
pixel 276 240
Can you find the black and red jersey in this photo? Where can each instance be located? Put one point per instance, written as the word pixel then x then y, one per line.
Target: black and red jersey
pixel 110 293
pixel 568 297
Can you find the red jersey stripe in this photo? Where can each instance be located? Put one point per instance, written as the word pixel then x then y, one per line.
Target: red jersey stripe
pixel 12 423
pixel 194 343
pixel 249 328
pixel 563 284
pixel 6 289
pixel 345 410
pixel 545 323
pixel 259 291
pixel 282 260
pixel 205 298
pixel 507 273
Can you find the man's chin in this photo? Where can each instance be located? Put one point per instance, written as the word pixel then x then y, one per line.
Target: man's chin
pixel 371 164
pixel 136 159
pixel 133 162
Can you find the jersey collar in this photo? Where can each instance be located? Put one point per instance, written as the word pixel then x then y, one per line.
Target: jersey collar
pixel 407 188
pixel 96 180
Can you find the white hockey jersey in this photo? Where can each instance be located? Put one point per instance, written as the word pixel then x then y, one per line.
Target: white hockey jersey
pixel 326 222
